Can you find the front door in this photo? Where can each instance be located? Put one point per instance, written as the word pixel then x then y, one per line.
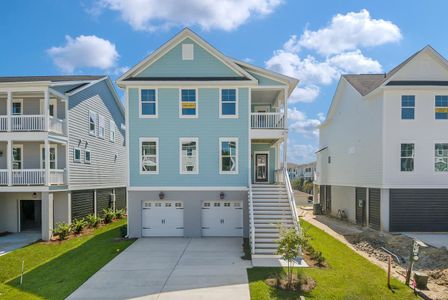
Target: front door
pixel 30 215
pixel 261 167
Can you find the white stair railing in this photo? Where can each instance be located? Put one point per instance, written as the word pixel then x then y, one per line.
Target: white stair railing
pixel 28 177
pixel 292 202
pixel 28 123
pixel 273 120
pixel 251 221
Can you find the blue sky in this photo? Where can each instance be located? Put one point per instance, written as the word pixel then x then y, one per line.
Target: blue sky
pixel 326 38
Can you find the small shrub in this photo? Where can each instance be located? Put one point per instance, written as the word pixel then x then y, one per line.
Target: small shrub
pixel 319 258
pixel 92 221
pixel 78 226
pixel 124 231
pixel 62 231
pixel 109 215
pixel 119 213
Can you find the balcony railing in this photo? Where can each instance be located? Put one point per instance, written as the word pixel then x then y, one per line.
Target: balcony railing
pixel 57 177
pixel 3 123
pixel 26 177
pixel 275 120
pixel 3 177
pixel 57 125
pixel 32 123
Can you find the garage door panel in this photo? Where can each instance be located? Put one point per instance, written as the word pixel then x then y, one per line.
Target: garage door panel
pixel 162 218
pixel 419 210
pixel 222 218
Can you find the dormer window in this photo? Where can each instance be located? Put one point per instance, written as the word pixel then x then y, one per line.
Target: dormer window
pixel 187 52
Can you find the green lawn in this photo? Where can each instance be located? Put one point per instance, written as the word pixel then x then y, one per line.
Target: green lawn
pixel 55 270
pixel 349 276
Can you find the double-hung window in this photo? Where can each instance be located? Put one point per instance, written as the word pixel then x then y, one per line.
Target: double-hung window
pixel 101 127
pixel 112 131
pixel 92 122
pixel 228 155
pixel 52 156
pixel 407 107
pixel 229 103
pixel 441 108
pixel 87 156
pixel 188 103
pixel 148 103
pixel 189 158
pixel 407 157
pixel 441 157
pixel 149 155
pixel 76 154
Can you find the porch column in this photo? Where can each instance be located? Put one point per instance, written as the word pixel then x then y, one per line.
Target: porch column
pixel 9 161
pixel 285 141
pixel 47 162
pixel 47 215
pixel 8 111
pixel 46 102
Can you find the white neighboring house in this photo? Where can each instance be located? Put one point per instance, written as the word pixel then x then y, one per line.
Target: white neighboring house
pixel 383 155
pixel 305 171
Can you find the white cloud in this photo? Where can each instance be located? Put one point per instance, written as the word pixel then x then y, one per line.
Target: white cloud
pixel 301 153
pixel 84 51
pixel 349 32
pixel 355 62
pixel 300 123
pixel 152 15
pixel 306 94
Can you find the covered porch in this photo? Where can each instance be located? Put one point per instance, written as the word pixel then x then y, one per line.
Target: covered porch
pixel 267 160
pixel 268 110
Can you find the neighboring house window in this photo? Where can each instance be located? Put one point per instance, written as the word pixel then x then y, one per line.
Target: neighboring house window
pixel 112 131
pixel 189 158
pixel 407 157
pixel 149 151
pixel 52 157
pixel 17 107
pixel 148 100
pixel 92 123
pixel 441 158
pixel 228 155
pixel 188 103
pixel 87 156
pixel 76 155
pixel 229 103
pixel 17 157
pixel 441 109
pixel 407 107
pixel 101 127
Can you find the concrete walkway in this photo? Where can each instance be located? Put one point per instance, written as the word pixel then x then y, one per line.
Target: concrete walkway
pixel 172 268
pixel 435 239
pixel 17 240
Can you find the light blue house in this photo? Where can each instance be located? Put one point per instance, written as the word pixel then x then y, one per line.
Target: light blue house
pixel 204 141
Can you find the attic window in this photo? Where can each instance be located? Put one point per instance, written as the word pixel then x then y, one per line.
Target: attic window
pixel 187 52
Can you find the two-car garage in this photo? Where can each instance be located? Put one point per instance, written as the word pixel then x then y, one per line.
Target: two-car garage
pixel 217 218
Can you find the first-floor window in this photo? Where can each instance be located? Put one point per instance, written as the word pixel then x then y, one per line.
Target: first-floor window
pixel 228 155
pixel 149 151
pixel 52 157
pixel 189 156
pixel 76 155
pixel 441 158
pixel 17 157
pixel 407 157
pixel 87 156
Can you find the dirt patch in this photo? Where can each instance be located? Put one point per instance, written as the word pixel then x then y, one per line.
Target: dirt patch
pixel 299 283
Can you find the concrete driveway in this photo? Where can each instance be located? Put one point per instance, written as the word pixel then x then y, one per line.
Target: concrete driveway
pixel 17 240
pixel 435 239
pixel 172 268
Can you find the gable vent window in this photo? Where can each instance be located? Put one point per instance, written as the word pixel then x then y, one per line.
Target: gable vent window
pixel 187 52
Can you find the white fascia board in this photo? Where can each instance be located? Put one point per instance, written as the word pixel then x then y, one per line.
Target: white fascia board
pixel 187 188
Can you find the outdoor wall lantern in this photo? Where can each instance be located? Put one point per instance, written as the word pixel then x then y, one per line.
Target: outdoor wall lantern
pixel 161 195
pixel 221 195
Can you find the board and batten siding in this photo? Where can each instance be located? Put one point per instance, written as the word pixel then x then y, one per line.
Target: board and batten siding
pixel 108 159
pixel 208 128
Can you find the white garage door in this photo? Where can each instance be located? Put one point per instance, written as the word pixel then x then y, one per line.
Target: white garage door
pixel 222 218
pixel 162 218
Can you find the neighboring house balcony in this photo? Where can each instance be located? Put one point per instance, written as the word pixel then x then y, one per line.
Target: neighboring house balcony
pixel 28 164
pixel 25 112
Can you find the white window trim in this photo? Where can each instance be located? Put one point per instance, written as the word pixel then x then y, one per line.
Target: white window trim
pixel 85 156
pixel 53 101
pixel 55 146
pixel 434 107
pixel 196 116
pixel 74 156
pixel 236 115
pixel 156 115
pixel 96 122
pixel 148 139
pixel 228 139
pixel 434 157
pixel 414 107
pixel 21 106
pixel 112 129
pixel 188 139
pixel 255 164
pixel 99 127
pixel 399 161
pixel 21 154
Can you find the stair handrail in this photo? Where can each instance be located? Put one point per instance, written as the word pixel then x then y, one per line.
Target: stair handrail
pixel 291 199
pixel 251 220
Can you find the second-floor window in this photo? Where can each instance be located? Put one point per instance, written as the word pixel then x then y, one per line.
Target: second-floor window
pixel 148 103
pixel 17 107
pixel 441 157
pixel 101 127
pixel 188 104
pixel 441 108
pixel 407 107
pixel 407 157
pixel 228 156
pixel 149 151
pixel 92 123
pixel 17 157
pixel 229 103
pixel 189 156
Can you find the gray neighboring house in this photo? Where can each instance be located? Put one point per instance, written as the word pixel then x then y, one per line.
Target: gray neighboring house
pixel 305 171
pixel 62 150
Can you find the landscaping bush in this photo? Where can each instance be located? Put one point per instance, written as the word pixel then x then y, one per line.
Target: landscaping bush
pixel 62 231
pixel 109 215
pixel 119 213
pixel 78 226
pixel 124 230
pixel 92 221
